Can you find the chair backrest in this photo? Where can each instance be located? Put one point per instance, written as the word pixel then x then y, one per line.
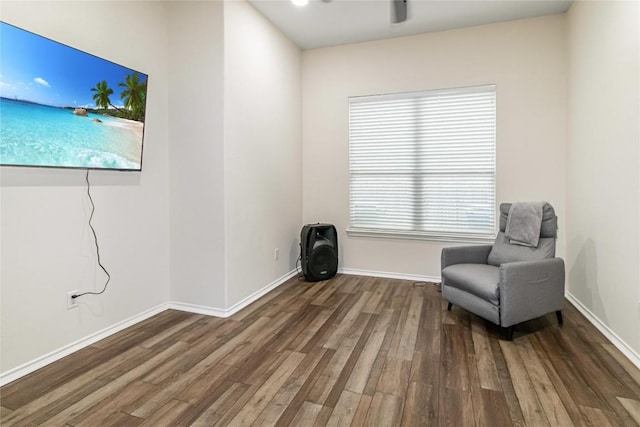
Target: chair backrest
pixel 503 251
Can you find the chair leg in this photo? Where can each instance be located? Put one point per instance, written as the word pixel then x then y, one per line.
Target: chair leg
pixel 559 316
pixel 449 307
pixel 509 333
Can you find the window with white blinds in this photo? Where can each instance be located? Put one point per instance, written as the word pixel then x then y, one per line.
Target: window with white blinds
pixel 422 164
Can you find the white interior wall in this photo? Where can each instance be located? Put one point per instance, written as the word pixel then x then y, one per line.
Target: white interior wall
pixel 603 182
pixel 196 52
pixel 262 144
pixel 525 58
pixel 47 247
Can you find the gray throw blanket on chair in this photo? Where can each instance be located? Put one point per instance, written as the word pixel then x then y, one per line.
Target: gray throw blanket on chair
pixel 524 222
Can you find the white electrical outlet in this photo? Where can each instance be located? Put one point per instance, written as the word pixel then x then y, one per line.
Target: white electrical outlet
pixel 276 254
pixel 72 302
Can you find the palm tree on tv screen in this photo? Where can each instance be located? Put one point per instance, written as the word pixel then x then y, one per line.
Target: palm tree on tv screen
pixel 134 95
pixel 102 94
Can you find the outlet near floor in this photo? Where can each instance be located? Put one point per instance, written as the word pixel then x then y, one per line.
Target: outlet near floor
pixel 72 302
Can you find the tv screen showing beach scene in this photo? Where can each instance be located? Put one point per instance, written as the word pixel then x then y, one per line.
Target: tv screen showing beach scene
pixel 62 107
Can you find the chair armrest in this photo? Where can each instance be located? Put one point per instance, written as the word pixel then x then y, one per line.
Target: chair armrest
pixel 464 255
pixel 530 289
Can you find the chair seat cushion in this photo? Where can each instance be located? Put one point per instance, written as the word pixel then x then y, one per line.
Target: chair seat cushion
pixel 480 280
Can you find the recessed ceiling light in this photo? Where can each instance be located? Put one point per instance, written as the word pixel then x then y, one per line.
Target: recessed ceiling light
pixel 300 2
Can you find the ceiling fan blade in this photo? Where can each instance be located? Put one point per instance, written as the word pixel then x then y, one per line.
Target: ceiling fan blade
pixel 399 11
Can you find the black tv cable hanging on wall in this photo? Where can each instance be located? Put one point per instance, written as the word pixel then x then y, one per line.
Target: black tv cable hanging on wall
pixel 95 239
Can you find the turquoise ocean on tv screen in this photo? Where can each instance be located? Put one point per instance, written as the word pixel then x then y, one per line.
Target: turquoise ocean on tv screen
pixel 39 135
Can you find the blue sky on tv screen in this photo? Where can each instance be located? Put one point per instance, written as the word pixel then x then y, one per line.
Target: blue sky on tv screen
pixel 36 69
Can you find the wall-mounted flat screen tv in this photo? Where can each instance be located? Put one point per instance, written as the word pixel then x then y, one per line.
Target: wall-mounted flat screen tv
pixel 62 107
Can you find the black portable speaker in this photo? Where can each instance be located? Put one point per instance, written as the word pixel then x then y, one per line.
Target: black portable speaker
pixel 319 251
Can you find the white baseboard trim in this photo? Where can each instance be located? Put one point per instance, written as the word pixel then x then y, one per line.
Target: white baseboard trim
pixel 197 309
pixel 42 361
pixel 388 275
pixel 25 369
pixel 257 294
pixel 605 330
pixel 220 312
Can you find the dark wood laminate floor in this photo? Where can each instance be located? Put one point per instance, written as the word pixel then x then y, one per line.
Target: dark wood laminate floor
pixel 349 351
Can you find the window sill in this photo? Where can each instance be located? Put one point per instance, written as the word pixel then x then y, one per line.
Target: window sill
pixel 415 235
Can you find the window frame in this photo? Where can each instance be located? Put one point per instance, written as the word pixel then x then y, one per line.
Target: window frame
pixel 431 235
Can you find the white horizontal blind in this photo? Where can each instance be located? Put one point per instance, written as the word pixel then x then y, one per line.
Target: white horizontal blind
pixel 423 163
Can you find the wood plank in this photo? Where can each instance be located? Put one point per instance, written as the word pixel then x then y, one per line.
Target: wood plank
pixel 554 410
pixel 362 369
pixel 385 410
pixel 266 299
pixel 338 334
pixel 345 409
pixel 455 369
pixel 327 328
pixel 633 408
pixel 626 364
pixel 328 378
pixel 225 397
pixel 277 406
pixel 474 393
pixel 428 339
pixel 299 399
pixel 487 372
pixel 330 288
pixel 167 414
pixel 267 391
pixel 616 367
pixel 116 403
pixel 120 419
pixel 96 397
pixel 143 330
pixel 242 350
pixel 376 301
pixel 597 417
pixel 255 366
pixel 420 405
pixel 362 411
pixel 496 412
pixel 155 339
pixel 400 358
pixel 241 402
pixel 31 387
pixel 301 340
pixel 346 371
pixel 295 326
pixel 378 365
pixel 454 409
pixel 515 412
pixel 167 393
pixel 572 377
pixel 51 403
pixel 395 377
pixel 565 397
pixel 323 416
pixel 205 384
pixel 410 330
pixel 306 415
pixel 532 409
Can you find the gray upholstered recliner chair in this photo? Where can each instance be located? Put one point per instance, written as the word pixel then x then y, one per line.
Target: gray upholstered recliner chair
pixel 507 283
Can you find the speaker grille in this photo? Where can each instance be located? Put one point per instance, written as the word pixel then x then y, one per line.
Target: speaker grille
pixel 322 261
